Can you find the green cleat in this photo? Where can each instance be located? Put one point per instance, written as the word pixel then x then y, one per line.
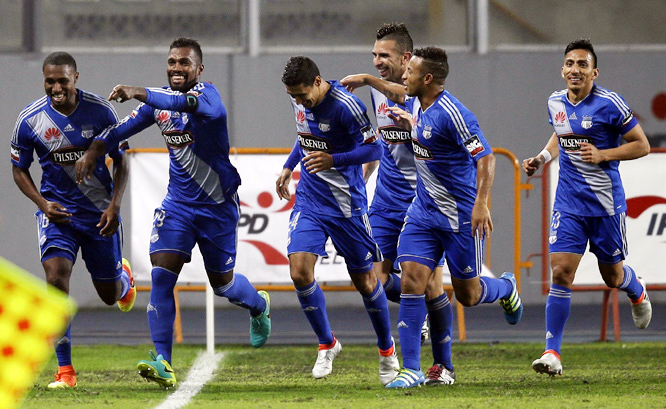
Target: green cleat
pixel 512 306
pixel 260 326
pixel 158 370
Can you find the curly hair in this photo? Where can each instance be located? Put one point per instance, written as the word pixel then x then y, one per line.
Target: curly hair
pixel 300 70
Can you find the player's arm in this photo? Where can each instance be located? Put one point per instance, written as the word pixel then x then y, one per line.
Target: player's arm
pixel 282 183
pixel 393 91
pixel 54 211
pixel 551 151
pixel 636 146
pixel 111 216
pixel 203 101
pixel 485 175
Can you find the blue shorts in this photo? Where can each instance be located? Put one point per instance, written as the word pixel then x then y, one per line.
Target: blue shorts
pixel 570 233
pixel 426 245
pixel 177 227
pixel 352 238
pixel 102 255
pixel 386 228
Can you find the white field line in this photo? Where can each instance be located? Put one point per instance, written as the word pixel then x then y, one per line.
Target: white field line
pixel 200 373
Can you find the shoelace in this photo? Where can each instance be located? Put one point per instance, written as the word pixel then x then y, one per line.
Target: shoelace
pixel 435 372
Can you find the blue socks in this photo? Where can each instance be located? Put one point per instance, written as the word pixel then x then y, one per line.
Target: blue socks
pixel 558 306
pixel 63 348
pixel 313 304
pixel 410 319
pixel 440 315
pixel 494 289
pixel 239 291
pixel 162 310
pixel 630 284
pixel 377 307
pixel 392 288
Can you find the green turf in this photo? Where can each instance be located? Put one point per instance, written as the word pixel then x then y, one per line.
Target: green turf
pixel 600 375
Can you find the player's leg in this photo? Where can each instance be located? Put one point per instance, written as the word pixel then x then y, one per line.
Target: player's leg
pixel 608 242
pixel 440 315
pixel 386 228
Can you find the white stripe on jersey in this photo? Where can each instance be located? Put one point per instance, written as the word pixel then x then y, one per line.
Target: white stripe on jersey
pixel 351 104
pixel 165 91
pixel 96 99
pixel 558 93
pixel 456 116
pixel 617 101
pixel 29 110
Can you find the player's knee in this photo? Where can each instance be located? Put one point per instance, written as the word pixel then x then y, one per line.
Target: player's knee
pixel 562 275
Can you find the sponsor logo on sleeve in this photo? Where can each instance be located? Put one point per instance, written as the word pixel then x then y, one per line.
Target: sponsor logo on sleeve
pixel 369 134
pixel 473 145
pixel 15 153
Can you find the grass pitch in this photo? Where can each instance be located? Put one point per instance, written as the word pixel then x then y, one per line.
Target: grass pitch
pixel 600 375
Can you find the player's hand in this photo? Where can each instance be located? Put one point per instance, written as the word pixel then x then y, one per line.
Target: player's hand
pixel 351 82
pixel 531 165
pixel 590 154
pixel 401 118
pixel 282 184
pixel 122 93
pixel 84 166
pixel 317 161
pixel 56 213
pixel 109 222
pixel 482 223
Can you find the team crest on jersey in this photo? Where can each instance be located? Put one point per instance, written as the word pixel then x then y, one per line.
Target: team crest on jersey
pixel 420 151
pixel 15 153
pixel 473 145
pixel 87 131
pixel 586 123
pixel 67 156
pixel 427 132
pixel 571 143
pixel 178 139
pixel 311 142
pixel 325 125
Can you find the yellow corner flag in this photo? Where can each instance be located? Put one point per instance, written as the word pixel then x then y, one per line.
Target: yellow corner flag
pixel 32 315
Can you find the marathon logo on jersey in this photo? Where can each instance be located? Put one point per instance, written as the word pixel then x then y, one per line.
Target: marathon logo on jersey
pixel 310 142
pixel 395 135
pixel 421 152
pixel 571 143
pixel 178 139
pixel 67 156
pixel 560 118
pixel 369 135
pixel 15 153
pixel 474 145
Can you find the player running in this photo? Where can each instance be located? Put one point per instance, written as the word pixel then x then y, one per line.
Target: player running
pixel 334 138
pixel 201 206
pixel 590 125
pixel 59 128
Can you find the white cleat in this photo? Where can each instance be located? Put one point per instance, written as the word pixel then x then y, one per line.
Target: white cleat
pixel 641 310
pixel 388 366
pixel 549 363
pixel 324 364
pixel 439 375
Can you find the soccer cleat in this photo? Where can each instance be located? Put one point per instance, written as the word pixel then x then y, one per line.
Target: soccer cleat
pixel 260 326
pixel 425 330
pixel 388 366
pixel 126 303
pixel 324 364
pixel 63 380
pixel 407 378
pixel 513 307
pixel 439 375
pixel 641 309
pixel 549 363
pixel 157 370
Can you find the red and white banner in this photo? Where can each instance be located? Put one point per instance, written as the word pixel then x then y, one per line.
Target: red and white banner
pixel 645 191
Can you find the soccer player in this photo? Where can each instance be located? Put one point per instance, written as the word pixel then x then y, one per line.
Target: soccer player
pixel 335 138
pixel 201 206
pixel 590 123
pixel 396 185
pixel 59 127
pixel 449 215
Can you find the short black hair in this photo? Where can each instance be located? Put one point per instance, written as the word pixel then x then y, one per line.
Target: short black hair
pixel 188 42
pixel 435 62
pixel 59 58
pixel 300 70
pixel 397 32
pixel 582 44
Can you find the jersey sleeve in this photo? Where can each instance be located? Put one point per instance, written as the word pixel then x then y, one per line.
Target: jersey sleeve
pixel 620 115
pixel 200 100
pixel 358 126
pixel 141 118
pixel 464 125
pixel 22 149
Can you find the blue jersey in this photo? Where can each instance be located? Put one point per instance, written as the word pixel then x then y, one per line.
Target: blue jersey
pixel 194 127
pixel 589 189
pixel 59 141
pixel 447 143
pixel 338 124
pixel 396 176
